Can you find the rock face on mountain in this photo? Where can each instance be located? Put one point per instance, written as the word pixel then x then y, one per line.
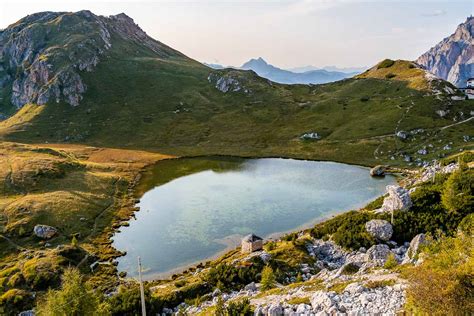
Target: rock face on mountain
pixel 453 58
pixel 43 54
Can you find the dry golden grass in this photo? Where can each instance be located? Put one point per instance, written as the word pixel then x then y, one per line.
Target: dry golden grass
pixel 80 190
pixel 401 70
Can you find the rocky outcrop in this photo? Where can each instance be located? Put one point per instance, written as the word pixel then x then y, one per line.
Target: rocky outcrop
pixel 45 69
pixel 44 231
pixel 359 300
pixel 377 171
pixel 378 254
pixel 227 82
pixel 453 58
pixel 42 55
pixel 430 171
pixel 379 229
pixel 411 256
pixel 398 199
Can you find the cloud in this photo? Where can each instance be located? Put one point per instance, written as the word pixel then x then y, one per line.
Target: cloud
pixel 434 13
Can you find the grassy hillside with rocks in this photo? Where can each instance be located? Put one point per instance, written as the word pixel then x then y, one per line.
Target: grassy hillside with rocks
pixel 87 102
pixel 124 81
pixel 354 262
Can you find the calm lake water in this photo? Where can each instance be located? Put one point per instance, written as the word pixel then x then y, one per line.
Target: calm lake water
pixel 192 209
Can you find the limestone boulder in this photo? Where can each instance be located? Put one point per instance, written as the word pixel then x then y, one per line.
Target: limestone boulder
pixel 377 171
pixel 377 254
pixel 414 249
pixel 379 229
pixel 44 231
pixel 398 199
pixel 322 300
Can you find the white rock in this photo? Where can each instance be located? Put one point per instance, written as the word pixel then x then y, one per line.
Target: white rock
pixel 44 231
pixel 398 199
pixel 354 288
pixel 413 250
pixel 275 310
pixel 379 228
pixel 321 299
pixel 378 254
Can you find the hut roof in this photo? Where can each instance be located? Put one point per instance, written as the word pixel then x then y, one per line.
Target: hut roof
pixel 251 238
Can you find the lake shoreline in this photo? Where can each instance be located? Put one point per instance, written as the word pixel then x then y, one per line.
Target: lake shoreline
pixel 232 246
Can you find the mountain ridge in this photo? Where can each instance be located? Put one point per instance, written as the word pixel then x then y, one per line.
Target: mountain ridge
pixel 279 75
pixel 37 72
pixel 175 105
pixel 452 59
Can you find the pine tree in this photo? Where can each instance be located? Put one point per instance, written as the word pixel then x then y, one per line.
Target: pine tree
pixel 268 278
pixel 73 298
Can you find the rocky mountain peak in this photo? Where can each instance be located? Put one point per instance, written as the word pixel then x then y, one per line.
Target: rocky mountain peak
pixel 452 59
pixel 43 54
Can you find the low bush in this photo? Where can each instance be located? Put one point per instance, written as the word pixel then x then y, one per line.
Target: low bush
pixel 443 283
pixel 391 262
pixel 458 193
pixel 386 63
pixel 13 301
pixel 239 308
pixel 350 268
pixel 390 75
pixel 230 277
pixel 347 230
pixel 379 283
pixel 74 297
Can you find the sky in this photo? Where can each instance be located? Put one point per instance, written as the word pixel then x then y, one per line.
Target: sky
pixel 286 33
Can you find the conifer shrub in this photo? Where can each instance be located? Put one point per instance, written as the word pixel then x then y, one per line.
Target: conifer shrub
pixel 268 278
pixel 386 63
pixel 239 308
pixel 391 261
pixel 458 192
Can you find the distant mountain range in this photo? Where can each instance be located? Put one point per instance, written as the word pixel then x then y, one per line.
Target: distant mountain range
pixel 302 75
pixel 452 59
pixel 329 68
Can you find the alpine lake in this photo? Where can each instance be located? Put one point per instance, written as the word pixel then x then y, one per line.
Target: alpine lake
pixel 193 209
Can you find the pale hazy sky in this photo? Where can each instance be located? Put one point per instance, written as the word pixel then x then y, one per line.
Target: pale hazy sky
pixel 286 33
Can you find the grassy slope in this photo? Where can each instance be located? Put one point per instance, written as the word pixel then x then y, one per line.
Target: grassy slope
pixel 131 102
pixel 80 190
pixel 132 98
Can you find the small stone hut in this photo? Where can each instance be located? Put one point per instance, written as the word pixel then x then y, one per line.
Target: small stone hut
pixel 251 243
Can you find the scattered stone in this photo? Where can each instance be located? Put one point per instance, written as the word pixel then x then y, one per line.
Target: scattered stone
pixel 402 134
pixel 44 231
pixel 378 171
pixel 321 299
pixel 378 254
pixel 216 293
pixel 310 136
pixel 354 288
pixel 422 151
pixel 379 228
pixel 250 287
pixel 442 113
pixel 275 310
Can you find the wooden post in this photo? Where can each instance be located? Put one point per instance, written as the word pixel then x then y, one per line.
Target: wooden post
pixel 142 291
